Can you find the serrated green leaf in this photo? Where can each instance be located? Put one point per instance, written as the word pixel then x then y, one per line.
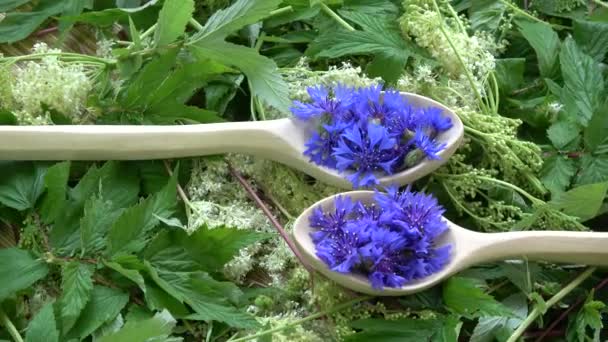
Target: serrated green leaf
pixel 56 184
pixel 95 224
pixel 464 298
pixel 491 327
pixel 589 316
pixel 43 327
pixel 450 331
pixel 545 43
pixel 594 169
pixel 159 299
pixel 19 25
pixel 562 133
pixel 104 305
pixel 172 20
pixel 486 14
pixel 213 248
pixel 128 233
pixel 595 133
pixel 262 73
pixel 18 271
pixel 583 80
pixel 171 112
pixel 592 37
pixel 396 330
pixel 510 73
pixel 77 284
pixel 21 184
pixel 583 201
pixel 239 14
pixel 130 274
pixel 156 328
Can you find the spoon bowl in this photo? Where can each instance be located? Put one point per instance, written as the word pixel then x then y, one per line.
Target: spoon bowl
pixel 281 140
pixel 469 248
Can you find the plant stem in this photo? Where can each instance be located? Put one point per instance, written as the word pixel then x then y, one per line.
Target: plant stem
pixel 598 2
pixel 148 32
pixel 455 15
pixel 10 327
pixel 336 17
pixel 529 16
pixel 180 191
pixel 303 320
pixel 271 217
pixel 281 10
pixel 533 315
pixel 513 187
pixel 194 23
pixel 464 67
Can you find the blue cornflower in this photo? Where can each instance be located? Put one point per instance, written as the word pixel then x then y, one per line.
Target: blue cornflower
pixel 424 143
pixel 322 103
pixel 365 150
pixel 331 224
pixel 432 117
pixel 320 146
pixel 391 241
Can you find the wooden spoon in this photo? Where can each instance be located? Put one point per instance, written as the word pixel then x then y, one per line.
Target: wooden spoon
pixel 280 140
pixel 468 248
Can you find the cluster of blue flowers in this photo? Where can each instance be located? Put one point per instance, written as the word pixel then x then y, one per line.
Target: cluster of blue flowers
pixel 391 241
pixel 365 131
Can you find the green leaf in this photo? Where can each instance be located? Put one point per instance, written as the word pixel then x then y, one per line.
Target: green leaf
pixel 105 304
pixel 172 20
pixel 510 73
pixel 213 248
pixel 583 201
pixel 489 328
pixel 77 284
pixel 592 37
pixel 21 184
pixel 583 80
pixel 239 14
pixel 595 133
pixel 562 133
pixel 18 271
pixel 159 299
pixel 73 8
pixel 545 43
pixel 43 327
pixel 557 173
pixel 594 169
pixel 128 233
pixel 19 25
pixel 589 316
pixel 486 14
pixel 130 274
pixel 171 112
pixel 262 73
pixel 157 328
pixel 7 5
pixel 56 184
pixel 464 298
pixel 450 330
pixel 404 330
pixel 95 224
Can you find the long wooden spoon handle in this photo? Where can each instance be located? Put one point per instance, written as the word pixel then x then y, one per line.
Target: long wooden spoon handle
pixel 109 142
pixel 554 246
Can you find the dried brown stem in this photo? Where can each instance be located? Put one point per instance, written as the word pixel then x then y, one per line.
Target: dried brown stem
pixel 270 216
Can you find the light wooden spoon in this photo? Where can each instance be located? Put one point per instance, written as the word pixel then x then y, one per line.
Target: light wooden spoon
pixel 280 140
pixel 468 248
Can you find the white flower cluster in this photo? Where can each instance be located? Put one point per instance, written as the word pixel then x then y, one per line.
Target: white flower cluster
pixel 61 86
pixel 297 333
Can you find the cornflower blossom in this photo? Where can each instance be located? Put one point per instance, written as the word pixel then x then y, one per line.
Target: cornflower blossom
pixel 391 241
pixel 364 132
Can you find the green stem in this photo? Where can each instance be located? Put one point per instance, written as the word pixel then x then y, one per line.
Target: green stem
pixel 281 10
pixel 598 2
pixel 464 67
pixel 533 315
pixel 197 26
pixel 303 320
pixel 523 13
pixel 336 17
pixel 148 32
pixel 513 187
pixel 455 15
pixel 10 327
pixel 62 55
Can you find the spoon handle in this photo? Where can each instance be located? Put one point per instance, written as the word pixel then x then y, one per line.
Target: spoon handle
pixel 555 246
pixel 131 142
